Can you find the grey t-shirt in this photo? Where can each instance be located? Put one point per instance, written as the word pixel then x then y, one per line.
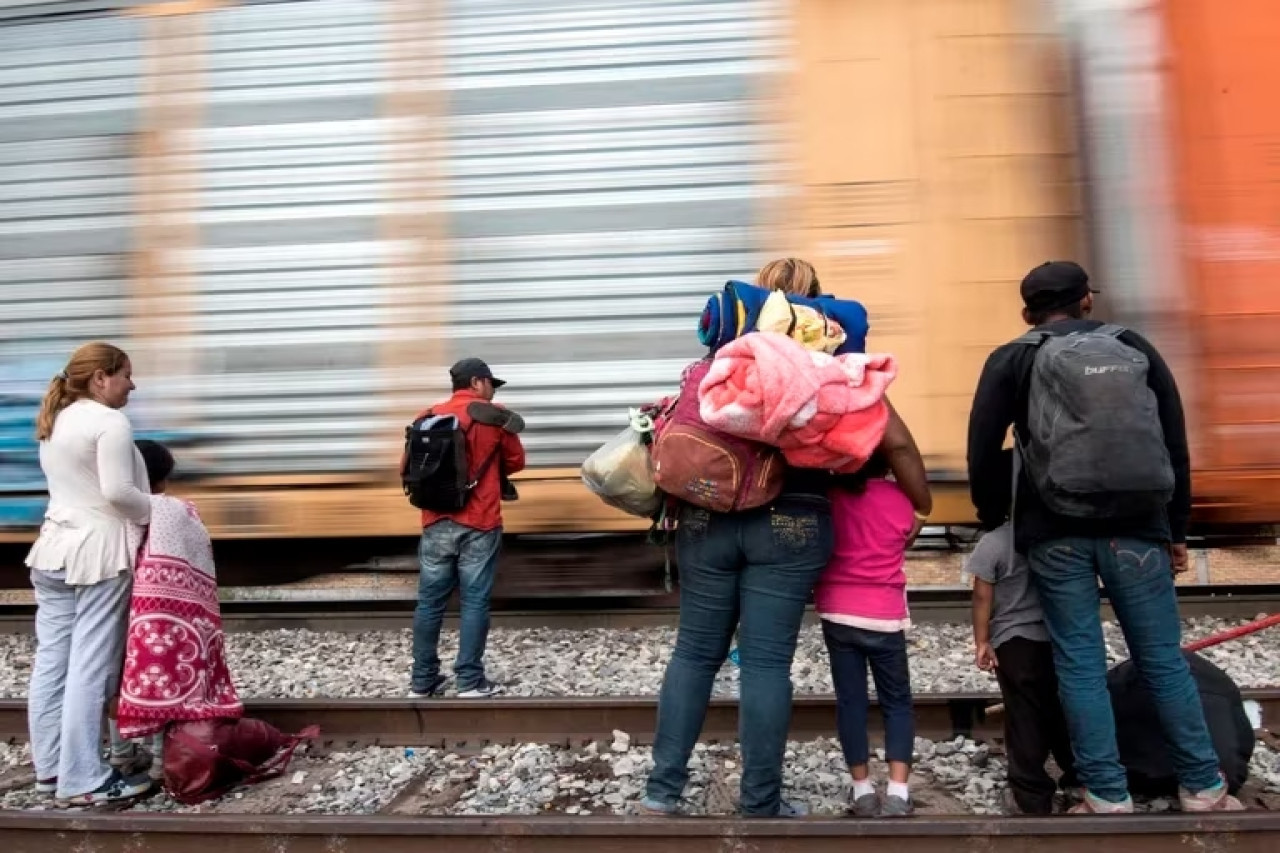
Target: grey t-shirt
pixel 1015 607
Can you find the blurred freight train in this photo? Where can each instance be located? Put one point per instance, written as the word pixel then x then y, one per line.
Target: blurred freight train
pixel 295 215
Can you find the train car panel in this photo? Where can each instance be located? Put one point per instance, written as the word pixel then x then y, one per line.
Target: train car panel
pixel 67 170
pixel 936 150
pixel 605 171
pixel 290 281
pixel 297 215
pixel 1224 69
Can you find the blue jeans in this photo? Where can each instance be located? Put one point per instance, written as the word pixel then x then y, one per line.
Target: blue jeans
pixel 1139 581
pixel 851 651
pixel 752 571
pixel 450 555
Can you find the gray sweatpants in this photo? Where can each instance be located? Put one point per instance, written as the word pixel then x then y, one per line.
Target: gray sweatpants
pixel 80 634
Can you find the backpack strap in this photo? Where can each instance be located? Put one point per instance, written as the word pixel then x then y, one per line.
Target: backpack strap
pixel 1111 330
pixel 484 466
pixel 408 439
pixel 1033 338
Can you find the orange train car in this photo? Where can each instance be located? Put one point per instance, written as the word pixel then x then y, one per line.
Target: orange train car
pixel 1223 73
pixel 1184 212
pixel 297 215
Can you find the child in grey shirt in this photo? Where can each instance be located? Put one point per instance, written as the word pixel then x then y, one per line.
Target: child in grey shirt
pixel 1010 637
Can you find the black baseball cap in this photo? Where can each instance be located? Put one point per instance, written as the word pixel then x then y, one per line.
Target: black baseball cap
pixel 1055 284
pixel 474 368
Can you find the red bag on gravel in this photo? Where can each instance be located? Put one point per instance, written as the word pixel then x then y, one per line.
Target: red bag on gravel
pixel 204 759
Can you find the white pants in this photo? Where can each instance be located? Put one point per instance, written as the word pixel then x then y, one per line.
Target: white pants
pixel 80 634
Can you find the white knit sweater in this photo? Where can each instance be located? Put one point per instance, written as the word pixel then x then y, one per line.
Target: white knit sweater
pixel 98 496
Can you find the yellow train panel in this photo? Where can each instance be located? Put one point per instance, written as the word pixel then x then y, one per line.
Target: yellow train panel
pixel 936 151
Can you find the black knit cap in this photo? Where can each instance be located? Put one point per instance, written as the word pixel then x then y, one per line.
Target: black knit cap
pixel 1054 285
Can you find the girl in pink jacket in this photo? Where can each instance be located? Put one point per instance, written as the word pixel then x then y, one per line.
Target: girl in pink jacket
pixel 862 601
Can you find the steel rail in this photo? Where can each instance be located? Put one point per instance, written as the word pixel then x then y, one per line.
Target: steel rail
pixel 469 723
pixel 27 832
pixel 354 614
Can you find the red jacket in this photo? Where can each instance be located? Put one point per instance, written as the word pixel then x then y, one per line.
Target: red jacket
pixel 484 508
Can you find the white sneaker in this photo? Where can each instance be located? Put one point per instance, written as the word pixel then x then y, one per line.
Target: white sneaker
pixel 1215 799
pixel 117 787
pixel 1090 804
pixel 483 690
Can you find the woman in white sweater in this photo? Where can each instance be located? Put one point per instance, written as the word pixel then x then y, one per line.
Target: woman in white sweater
pixel 81 570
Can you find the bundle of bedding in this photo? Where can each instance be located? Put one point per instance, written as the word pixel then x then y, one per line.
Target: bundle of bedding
pixel 823 323
pixel 822 411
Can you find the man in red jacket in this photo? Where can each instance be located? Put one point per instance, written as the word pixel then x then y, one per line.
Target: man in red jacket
pixel 460 549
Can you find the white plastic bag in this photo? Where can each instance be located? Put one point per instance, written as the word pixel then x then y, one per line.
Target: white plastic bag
pixel 621 472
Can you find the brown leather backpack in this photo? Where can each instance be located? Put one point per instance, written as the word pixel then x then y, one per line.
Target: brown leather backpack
pixel 703 466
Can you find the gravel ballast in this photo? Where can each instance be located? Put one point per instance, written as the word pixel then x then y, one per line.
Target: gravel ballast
pixel 605 661
pixel 950 777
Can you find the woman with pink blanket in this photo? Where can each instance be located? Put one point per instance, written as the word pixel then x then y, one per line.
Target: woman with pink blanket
pixel 750 573
pixel 821 411
pixel 175 666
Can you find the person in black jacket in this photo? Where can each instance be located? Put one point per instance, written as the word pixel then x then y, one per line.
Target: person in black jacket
pixel 1134 555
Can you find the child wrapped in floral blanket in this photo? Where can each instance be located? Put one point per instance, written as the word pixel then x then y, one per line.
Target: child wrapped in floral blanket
pixel 175 666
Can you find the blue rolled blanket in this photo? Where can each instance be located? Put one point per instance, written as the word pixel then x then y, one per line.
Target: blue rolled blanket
pixel 734 311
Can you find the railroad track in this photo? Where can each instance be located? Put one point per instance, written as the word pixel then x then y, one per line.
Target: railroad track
pixel 475 723
pixel 241 612
pixel 467 723
pixel 26 832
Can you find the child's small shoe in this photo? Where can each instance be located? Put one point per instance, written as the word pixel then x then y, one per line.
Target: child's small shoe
pixel 895 806
pixel 868 805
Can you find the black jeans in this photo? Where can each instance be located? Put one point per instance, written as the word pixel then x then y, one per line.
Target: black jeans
pixel 752 571
pixel 1034 725
pixel 852 650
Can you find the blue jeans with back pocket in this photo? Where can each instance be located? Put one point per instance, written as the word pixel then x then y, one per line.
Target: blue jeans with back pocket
pixel 1139 582
pixel 751 571
pixel 453 555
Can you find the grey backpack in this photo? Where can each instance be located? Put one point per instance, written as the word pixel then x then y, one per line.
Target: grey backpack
pixel 1095 447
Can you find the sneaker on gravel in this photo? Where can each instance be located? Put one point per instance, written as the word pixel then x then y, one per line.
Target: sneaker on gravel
pixel 785 809
pixel 47 786
pixel 1089 804
pixel 1215 799
pixel 895 806
pixel 436 688
pixel 868 805
pixel 117 787
pixel 483 690
pixel 656 808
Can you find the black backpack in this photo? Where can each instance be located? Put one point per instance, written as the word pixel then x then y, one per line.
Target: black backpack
pixel 1095 447
pixel 435 475
pixel 1145 753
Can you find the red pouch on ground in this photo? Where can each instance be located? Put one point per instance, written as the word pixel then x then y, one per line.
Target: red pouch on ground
pixel 204 759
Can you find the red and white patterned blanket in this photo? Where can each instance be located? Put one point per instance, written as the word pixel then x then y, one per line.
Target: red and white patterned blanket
pixel 175 665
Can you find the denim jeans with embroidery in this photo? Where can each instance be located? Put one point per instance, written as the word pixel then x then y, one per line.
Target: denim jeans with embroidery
pixel 453 555
pixel 1139 582
pixel 751 571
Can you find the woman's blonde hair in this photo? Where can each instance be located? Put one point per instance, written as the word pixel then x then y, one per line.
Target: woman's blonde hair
pixel 790 275
pixel 73 382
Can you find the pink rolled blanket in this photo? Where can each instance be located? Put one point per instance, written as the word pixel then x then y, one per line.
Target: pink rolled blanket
pixel 821 411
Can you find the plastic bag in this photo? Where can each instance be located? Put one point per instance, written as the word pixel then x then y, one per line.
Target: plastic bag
pixel 620 472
